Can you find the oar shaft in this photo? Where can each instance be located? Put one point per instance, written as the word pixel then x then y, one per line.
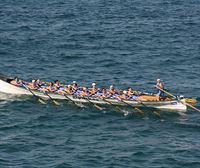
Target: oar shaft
pixel 165 92
pixel 192 106
pixel 27 88
pixel 108 102
pixel 54 101
pixel 94 104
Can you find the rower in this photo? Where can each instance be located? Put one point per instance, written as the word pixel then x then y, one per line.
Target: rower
pixel 68 89
pixel 39 83
pixel 16 82
pixel 160 93
pixel 84 92
pixel 111 90
pixel 93 89
pixel 33 84
pixel 130 91
pixel 57 84
pixel 123 95
pixel 51 87
pixel 100 93
pixel 74 86
pixel 104 93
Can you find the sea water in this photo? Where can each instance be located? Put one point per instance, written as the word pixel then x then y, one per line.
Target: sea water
pixel 124 43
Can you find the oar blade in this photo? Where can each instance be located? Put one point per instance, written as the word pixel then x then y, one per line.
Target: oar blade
pixel 191 100
pixel 98 107
pixel 56 103
pixel 157 114
pixel 140 111
pixel 41 101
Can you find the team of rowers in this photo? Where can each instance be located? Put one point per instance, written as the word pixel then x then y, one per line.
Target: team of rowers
pixel 75 89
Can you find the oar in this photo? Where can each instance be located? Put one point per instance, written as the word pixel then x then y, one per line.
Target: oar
pixel 98 107
pixel 70 99
pixel 54 101
pixel 179 100
pixel 116 107
pixel 137 109
pixel 155 112
pixel 94 104
pixel 39 99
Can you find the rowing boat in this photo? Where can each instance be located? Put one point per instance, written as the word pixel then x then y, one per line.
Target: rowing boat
pixel 174 105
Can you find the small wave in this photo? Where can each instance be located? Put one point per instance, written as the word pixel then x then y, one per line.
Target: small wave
pixel 188 125
pixel 139 153
pixel 8 98
pixel 25 28
pixel 66 15
pixel 11 126
pixel 72 57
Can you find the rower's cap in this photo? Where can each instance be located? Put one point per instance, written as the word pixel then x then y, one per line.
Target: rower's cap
pixel 93 84
pixel 68 85
pixel 74 82
pixel 111 86
pixel 125 92
pixel 158 80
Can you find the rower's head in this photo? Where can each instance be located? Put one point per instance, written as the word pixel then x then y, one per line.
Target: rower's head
pixel 130 89
pixel 74 83
pixel 111 87
pixel 124 92
pixel 57 82
pixel 38 80
pixel 158 80
pixel 51 83
pixel 16 79
pixel 69 87
pixel 33 81
pixel 93 84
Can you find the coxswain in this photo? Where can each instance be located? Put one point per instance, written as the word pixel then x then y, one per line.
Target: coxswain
pixel 160 93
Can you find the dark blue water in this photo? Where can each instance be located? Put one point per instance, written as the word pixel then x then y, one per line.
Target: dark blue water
pixel 125 43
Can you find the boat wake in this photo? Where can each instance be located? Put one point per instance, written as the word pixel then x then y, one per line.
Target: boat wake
pixel 7 98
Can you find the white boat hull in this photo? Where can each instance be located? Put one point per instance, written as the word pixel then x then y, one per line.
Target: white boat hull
pixel 8 88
